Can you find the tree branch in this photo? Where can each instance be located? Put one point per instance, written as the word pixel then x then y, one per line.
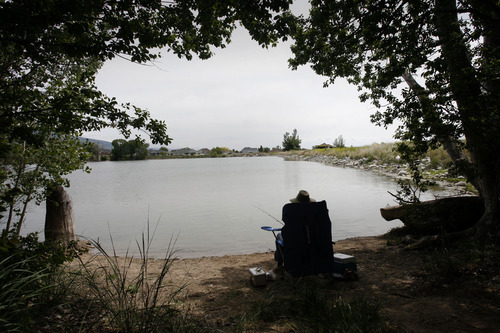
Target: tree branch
pixel 449 144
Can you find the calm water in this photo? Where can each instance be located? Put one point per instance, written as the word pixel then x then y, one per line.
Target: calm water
pixel 215 206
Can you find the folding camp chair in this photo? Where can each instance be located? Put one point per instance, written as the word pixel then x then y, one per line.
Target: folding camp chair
pixel 307 239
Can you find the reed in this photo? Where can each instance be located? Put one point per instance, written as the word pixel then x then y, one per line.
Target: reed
pixel 134 302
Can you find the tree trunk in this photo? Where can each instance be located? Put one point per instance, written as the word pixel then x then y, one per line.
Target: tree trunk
pixel 59 218
pixel 481 173
pixel 489 192
pixel 475 112
pixel 449 144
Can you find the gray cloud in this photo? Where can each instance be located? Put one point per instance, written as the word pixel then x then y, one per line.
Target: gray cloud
pixel 243 96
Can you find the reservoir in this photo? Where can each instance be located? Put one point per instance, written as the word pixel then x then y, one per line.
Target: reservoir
pixel 215 206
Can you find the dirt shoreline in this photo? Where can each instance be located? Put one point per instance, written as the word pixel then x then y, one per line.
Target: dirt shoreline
pixel 218 290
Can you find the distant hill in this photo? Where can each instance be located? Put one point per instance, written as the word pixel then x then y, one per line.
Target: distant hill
pixel 105 145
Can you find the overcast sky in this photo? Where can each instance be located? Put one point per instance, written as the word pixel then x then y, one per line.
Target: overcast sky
pixel 244 96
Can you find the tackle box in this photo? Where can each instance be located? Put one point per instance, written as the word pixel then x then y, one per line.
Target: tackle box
pixel 257 276
pixel 343 262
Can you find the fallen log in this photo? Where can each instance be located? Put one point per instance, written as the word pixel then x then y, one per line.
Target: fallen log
pixel 444 214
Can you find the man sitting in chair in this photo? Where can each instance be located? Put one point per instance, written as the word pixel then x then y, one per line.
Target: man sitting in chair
pixel 302 197
pixel 304 245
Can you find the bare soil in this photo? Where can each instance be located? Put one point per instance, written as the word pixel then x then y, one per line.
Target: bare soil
pixel 219 293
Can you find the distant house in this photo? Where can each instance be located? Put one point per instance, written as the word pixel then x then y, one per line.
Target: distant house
pixel 204 151
pixel 155 152
pixel 248 150
pixel 323 146
pixel 184 152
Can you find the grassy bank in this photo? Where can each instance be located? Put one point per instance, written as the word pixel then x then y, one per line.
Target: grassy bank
pixel 436 166
pixel 378 152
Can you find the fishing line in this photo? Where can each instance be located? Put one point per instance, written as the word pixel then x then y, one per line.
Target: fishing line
pixel 269 215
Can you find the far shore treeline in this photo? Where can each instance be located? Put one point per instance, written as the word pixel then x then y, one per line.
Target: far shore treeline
pixel 379 152
pixel 138 149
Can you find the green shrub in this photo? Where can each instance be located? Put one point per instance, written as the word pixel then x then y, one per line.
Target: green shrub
pixel 48 255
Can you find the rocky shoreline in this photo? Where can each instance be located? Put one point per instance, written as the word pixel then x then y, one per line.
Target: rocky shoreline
pixel 440 178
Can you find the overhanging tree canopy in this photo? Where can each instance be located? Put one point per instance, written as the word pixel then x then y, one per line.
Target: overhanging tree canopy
pixel 434 65
pixel 41 39
pixel 51 51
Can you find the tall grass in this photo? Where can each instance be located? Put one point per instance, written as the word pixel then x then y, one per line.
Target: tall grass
pixel 30 280
pixel 134 302
pixel 383 152
pixel 22 294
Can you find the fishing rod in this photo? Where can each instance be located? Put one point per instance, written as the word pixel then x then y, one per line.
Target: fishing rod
pixel 269 215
